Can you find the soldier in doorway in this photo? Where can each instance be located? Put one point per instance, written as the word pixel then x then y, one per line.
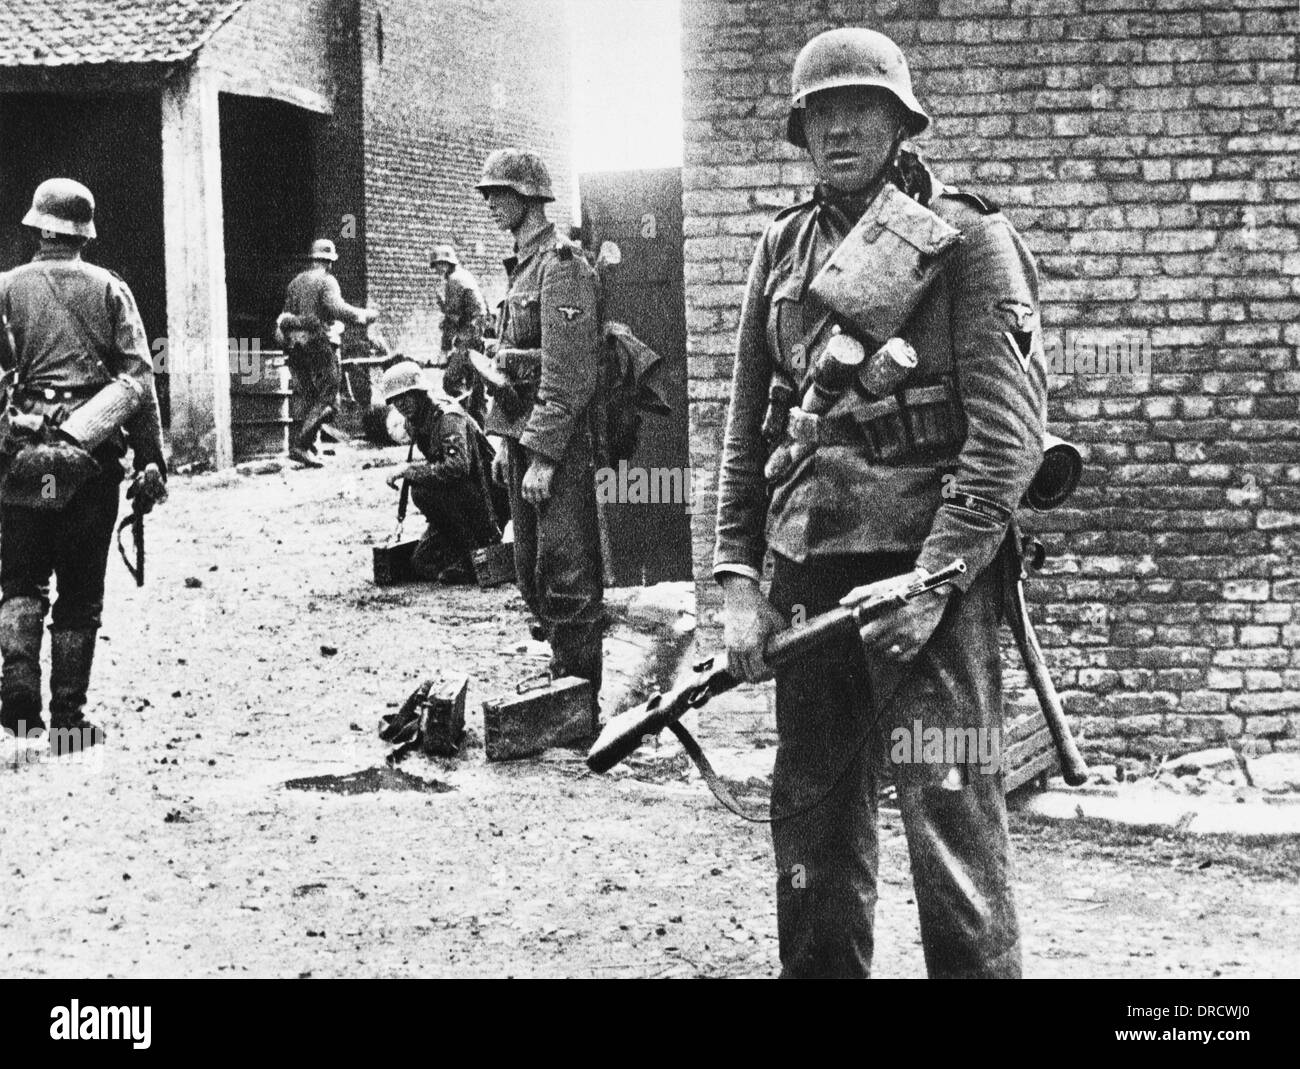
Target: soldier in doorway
pixel 80 393
pixel 311 330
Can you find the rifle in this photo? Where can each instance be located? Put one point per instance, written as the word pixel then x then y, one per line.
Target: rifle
pixel 136 521
pixel 625 732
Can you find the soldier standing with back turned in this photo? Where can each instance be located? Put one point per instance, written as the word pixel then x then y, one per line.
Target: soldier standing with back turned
pixel 927 469
pixel 548 351
pixel 79 362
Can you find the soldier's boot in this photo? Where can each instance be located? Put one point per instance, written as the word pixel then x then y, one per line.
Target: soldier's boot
pixel 579 651
pixel 71 655
pixel 21 623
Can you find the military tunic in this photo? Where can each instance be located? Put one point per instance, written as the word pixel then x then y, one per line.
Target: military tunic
pixel 928 474
pixel 452 488
pixel 315 298
pixel 463 314
pixel 549 341
pixel 75 327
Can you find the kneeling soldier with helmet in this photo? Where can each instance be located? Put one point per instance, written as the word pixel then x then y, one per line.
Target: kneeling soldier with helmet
pixel 80 391
pixel 452 487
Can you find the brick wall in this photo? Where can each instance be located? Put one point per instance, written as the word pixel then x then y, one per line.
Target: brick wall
pixel 457 78
pixel 1150 161
pixel 421 92
pixel 312 47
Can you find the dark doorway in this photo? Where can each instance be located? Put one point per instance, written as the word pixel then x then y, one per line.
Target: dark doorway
pixel 641 212
pixel 113 144
pixel 267 177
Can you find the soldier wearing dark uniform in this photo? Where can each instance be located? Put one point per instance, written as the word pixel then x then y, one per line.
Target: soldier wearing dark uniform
pixel 873 487
pixel 452 487
pixel 547 358
pixel 311 330
pixel 463 315
pixel 81 391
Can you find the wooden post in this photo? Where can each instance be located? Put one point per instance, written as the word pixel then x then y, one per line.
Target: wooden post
pixel 197 355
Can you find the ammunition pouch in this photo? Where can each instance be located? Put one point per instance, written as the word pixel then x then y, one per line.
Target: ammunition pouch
pixel 878 274
pixel 918 424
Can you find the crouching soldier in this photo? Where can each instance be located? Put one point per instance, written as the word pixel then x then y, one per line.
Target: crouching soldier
pixel 81 391
pixel 452 486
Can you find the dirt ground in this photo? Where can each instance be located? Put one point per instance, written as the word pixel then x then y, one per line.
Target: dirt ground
pixel 259 652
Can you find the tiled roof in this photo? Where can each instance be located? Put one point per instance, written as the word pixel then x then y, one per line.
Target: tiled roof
pixel 57 32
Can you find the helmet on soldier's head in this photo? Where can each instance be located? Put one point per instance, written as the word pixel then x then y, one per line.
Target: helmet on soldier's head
pixel 401 378
pixel 323 249
pixel 63 206
pixel 444 254
pixel 851 56
pixel 511 168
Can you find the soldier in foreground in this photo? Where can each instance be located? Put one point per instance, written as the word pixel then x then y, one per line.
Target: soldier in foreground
pixel 918 462
pixel 80 391
pixel 463 313
pixel 311 330
pixel 547 356
pixel 453 485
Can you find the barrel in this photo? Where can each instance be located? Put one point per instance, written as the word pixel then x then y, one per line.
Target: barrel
pixel 260 420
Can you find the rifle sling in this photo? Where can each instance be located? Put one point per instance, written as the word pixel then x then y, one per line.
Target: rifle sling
pixel 728 801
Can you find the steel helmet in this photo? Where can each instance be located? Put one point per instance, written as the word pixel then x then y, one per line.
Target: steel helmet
pixel 323 249
pixel 402 378
pixel 444 254
pixel 851 56
pixel 511 168
pixel 63 206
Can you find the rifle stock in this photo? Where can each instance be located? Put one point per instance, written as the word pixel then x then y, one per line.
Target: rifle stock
pixel 625 733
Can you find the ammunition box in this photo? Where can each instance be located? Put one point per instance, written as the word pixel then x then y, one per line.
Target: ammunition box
pixel 442 717
pixel 393 563
pixel 523 725
pixel 494 565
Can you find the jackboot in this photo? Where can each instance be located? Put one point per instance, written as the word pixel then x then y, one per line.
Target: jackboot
pixel 579 651
pixel 21 621
pixel 71 655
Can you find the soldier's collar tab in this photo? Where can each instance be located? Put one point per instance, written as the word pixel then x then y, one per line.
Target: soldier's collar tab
pixel 544 237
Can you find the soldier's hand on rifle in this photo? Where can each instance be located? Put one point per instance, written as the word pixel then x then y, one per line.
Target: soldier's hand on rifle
pixel 148 487
pixel 748 622
pixel 395 480
pixel 900 634
pixel 537 479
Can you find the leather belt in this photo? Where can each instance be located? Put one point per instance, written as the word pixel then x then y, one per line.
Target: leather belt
pixel 54 394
